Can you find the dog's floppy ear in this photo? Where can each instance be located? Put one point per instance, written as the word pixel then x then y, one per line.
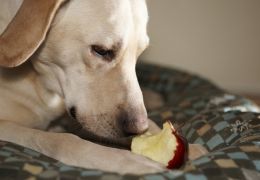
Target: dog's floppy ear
pixel 26 31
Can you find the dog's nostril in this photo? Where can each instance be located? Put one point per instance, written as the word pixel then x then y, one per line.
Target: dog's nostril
pixel 72 111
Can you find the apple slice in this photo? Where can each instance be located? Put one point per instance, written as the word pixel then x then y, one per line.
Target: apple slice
pixel 166 147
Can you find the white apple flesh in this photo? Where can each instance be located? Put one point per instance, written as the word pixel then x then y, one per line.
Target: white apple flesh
pixel 166 147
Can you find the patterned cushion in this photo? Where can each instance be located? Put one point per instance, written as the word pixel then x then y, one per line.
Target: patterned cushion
pixel 225 124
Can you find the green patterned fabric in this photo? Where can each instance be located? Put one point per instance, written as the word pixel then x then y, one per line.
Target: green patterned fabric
pixel 225 124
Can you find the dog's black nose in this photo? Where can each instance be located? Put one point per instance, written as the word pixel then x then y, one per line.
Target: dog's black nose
pixel 73 112
pixel 134 125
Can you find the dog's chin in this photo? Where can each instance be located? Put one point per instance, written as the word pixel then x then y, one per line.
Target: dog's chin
pixel 116 142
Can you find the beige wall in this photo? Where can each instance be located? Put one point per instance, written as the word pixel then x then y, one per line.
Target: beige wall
pixel 218 39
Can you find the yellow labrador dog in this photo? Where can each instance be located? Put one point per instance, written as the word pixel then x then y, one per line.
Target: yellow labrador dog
pixel 75 56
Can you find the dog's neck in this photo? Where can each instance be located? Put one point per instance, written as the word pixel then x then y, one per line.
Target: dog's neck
pixel 47 105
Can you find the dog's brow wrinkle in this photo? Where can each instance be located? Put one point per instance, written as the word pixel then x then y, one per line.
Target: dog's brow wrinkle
pixel 117 46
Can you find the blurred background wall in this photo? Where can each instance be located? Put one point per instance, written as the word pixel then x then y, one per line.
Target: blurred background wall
pixel 218 39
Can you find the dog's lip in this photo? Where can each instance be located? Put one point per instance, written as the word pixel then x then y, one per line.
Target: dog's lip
pixel 116 142
pixel 120 142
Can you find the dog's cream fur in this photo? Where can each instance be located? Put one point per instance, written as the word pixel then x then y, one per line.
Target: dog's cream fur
pixel 62 71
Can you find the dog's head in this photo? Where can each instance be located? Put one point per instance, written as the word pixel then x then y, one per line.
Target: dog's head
pixel 88 57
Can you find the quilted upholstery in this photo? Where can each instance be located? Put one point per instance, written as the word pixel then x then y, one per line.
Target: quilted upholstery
pixel 224 123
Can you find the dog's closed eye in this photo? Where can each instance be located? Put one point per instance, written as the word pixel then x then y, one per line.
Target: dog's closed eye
pixel 104 53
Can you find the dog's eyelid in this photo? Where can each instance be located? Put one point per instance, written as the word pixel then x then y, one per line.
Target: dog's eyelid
pixel 103 52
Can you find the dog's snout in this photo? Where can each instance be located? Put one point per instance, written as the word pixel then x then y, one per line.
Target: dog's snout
pixel 73 112
pixel 134 125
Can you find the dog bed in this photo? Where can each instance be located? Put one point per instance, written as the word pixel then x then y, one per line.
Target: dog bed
pixel 227 125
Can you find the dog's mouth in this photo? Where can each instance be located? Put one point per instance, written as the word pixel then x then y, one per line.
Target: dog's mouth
pixel 116 142
pixel 120 142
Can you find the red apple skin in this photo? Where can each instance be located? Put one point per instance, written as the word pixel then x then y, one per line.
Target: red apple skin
pixel 180 154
